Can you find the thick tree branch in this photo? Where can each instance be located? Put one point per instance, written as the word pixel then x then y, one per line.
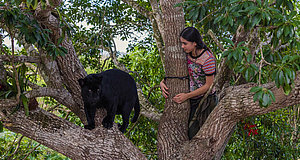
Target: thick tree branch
pixel 71 140
pixel 20 59
pixel 61 95
pixel 7 103
pixel 235 106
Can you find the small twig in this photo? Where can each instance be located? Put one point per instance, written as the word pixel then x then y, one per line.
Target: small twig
pixel 260 65
pixel 17 148
pixel 51 109
pixel 210 14
pixel 213 36
pixel 152 89
pixel 134 125
pixel 7 151
pixel 31 151
pixel 105 60
pixel 101 33
pixel 68 113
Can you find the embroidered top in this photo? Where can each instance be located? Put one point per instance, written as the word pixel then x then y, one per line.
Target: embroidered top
pixel 199 67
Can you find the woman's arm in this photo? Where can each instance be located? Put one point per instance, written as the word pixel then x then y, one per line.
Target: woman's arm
pixel 181 97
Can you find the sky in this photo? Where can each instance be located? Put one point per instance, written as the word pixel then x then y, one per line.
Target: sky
pixel 121 45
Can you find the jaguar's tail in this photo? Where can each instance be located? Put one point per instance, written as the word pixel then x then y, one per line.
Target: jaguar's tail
pixel 136 111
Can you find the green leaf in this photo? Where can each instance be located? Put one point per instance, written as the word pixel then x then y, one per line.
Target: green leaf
pixel 249 58
pixel 291 30
pixel 285 59
pixel 235 55
pixel 257 96
pixel 265 100
pixel 218 19
pixel 60 40
pixel 7 94
pixel 278 2
pixel 290 5
pixel 194 14
pixel 287 89
pixel 230 21
pixel 286 30
pixel 25 103
pixel 279 32
pixel 28 3
pixel 233 1
pixel 255 20
pixel 272 95
pixel 35 4
pixel 240 44
pixel 281 77
pixel 247 75
pixel 228 41
pixel 256 89
pixel 258 2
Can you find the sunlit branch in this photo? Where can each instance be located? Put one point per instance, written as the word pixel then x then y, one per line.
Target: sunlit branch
pixel 20 59
pixel 61 95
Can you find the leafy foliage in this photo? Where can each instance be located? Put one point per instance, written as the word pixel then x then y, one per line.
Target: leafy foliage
pixel 25 147
pixel 31 30
pixel 276 27
pixel 275 60
pixel 272 141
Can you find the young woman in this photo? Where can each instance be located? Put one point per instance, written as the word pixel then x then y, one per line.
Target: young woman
pixel 202 70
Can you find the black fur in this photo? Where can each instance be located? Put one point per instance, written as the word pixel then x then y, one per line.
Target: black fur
pixel 115 90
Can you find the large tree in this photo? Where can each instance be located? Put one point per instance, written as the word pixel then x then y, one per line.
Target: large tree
pixel 257 45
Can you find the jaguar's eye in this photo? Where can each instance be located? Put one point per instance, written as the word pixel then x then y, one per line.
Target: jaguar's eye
pixel 90 91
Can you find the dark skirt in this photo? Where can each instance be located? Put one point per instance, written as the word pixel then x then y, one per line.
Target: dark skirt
pixel 197 120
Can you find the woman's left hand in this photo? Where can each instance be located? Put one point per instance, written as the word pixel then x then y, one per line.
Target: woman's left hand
pixel 181 97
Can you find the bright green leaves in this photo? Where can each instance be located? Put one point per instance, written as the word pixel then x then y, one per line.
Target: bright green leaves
pixel 11 89
pixel 25 101
pixel 31 31
pixel 195 10
pixel 235 54
pixel 32 4
pixel 55 51
pixel 264 96
pixel 285 73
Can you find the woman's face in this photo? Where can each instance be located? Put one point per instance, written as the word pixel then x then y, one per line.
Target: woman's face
pixel 188 46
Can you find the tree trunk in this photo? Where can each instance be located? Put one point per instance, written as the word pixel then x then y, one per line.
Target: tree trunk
pixel 172 130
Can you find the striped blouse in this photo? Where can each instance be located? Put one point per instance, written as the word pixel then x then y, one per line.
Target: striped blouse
pixel 199 67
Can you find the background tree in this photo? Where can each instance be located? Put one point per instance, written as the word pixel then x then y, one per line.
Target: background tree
pixel 254 41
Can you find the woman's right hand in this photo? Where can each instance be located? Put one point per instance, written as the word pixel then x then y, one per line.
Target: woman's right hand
pixel 164 89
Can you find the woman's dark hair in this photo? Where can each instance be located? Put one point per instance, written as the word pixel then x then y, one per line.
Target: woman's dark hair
pixel 191 34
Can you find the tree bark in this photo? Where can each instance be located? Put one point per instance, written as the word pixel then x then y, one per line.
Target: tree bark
pixel 71 140
pixel 235 106
pixel 172 130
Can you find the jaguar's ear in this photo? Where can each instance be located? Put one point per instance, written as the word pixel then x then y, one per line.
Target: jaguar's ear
pixel 81 82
